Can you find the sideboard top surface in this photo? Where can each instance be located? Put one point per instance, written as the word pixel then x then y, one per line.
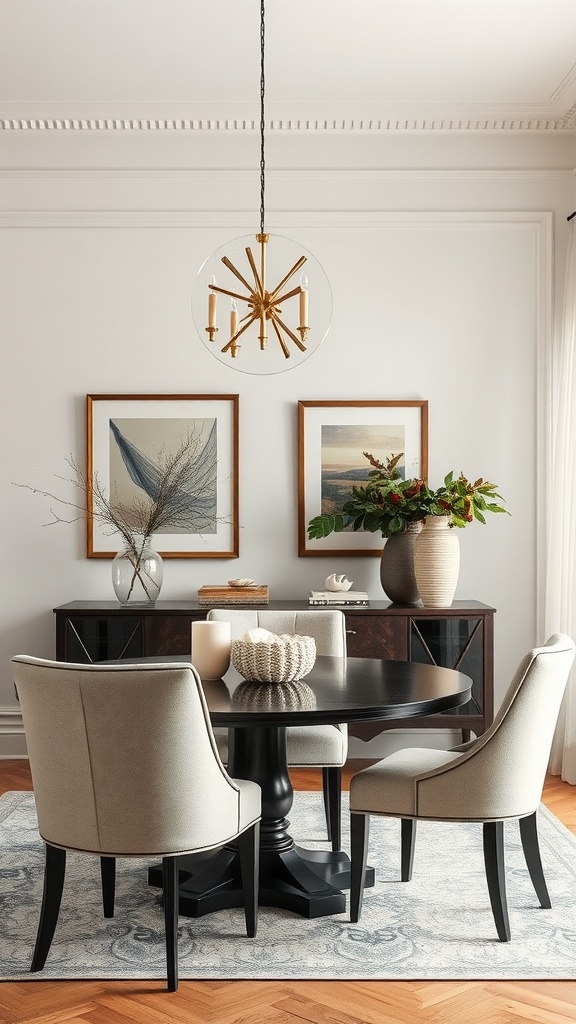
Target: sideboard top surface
pixel 187 607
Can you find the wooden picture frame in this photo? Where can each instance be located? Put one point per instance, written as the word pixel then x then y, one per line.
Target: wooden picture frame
pixel 330 433
pixel 129 436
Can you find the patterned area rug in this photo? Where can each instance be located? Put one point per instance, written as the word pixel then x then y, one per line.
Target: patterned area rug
pixel 438 926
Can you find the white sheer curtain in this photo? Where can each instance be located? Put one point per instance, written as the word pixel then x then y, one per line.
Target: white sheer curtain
pixel 560 593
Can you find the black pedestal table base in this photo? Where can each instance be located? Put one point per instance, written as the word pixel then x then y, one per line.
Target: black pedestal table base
pixel 307 882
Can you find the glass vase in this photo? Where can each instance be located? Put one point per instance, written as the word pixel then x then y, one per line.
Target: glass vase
pixel 137 573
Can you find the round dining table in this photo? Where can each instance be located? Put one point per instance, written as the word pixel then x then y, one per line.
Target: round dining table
pixel 337 690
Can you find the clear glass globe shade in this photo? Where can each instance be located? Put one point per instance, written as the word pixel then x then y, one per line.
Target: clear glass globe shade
pixel 281 256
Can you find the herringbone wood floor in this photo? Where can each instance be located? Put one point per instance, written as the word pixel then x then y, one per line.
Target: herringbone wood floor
pixel 310 1002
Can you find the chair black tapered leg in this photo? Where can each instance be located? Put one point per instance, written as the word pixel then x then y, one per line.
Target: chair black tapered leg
pixel 331 791
pixel 54 872
pixel 530 845
pixel 249 849
pixel 108 876
pixel 170 896
pixel 326 802
pixel 359 834
pixel 408 842
pixel 493 839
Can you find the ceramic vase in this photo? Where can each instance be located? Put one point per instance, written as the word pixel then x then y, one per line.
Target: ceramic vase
pixel 397 574
pixel 437 562
pixel 137 573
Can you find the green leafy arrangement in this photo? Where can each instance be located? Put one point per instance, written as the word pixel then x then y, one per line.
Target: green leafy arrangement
pixel 388 503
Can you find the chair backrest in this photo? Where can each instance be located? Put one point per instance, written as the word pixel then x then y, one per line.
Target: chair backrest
pixel 327 626
pixel 123 758
pixel 502 774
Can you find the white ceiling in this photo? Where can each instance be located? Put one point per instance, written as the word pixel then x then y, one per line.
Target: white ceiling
pixel 330 64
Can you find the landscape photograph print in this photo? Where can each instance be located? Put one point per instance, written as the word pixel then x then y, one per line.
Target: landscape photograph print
pixel 335 441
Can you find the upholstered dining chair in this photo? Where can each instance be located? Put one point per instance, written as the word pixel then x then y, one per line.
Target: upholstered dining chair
pixel 124 764
pixel 322 746
pixel 496 777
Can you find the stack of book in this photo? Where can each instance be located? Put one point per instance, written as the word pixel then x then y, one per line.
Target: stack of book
pixel 221 595
pixel 340 597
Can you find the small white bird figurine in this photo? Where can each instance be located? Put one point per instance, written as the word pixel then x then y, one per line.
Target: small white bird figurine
pixel 336 583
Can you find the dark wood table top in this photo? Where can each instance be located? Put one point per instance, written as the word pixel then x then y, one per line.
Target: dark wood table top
pixel 337 690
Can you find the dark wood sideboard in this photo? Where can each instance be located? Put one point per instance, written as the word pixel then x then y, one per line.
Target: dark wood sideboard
pixel 460 637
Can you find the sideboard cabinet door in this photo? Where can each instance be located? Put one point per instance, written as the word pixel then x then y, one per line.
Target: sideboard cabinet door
pixel 376 636
pixel 459 643
pixel 101 638
pixel 458 637
pixel 169 634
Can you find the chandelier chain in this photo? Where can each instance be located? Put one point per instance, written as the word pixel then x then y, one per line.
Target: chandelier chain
pixel 262 119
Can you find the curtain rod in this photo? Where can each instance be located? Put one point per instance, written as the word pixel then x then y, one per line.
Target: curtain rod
pixel 571 215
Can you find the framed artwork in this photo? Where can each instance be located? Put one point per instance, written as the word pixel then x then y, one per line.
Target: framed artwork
pixel 332 437
pixel 130 441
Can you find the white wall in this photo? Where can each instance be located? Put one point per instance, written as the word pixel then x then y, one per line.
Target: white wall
pixel 445 255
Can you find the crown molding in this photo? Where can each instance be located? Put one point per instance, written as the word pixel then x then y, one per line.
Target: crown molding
pixel 331 118
pixel 565 123
pixel 570 118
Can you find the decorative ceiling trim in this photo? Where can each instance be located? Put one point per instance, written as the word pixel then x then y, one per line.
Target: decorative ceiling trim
pixel 566 122
pixel 570 118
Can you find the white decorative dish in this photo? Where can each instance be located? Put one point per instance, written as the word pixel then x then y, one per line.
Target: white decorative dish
pixel 240 583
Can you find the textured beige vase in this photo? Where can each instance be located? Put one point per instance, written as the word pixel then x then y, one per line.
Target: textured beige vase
pixel 437 562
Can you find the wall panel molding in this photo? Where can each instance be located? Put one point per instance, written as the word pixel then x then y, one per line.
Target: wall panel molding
pixel 534 232
pixel 482 220
pixel 294 174
pixel 11 722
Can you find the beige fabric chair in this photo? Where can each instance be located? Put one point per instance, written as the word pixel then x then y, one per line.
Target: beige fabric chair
pixel 124 764
pixel 322 746
pixel 491 779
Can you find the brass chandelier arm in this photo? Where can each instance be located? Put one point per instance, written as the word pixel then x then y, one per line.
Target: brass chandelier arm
pixel 257 279
pixel 225 291
pixel 283 344
pixel 228 263
pixel 287 295
pixel 299 263
pixel 290 334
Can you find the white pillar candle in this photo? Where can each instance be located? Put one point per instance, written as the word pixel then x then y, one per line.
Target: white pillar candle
pixel 211 648
pixel 233 317
pixel 212 305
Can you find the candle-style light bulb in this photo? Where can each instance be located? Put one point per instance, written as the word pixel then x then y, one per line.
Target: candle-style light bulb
pixel 304 301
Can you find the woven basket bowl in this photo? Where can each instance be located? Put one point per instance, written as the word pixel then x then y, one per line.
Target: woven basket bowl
pixel 278 661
